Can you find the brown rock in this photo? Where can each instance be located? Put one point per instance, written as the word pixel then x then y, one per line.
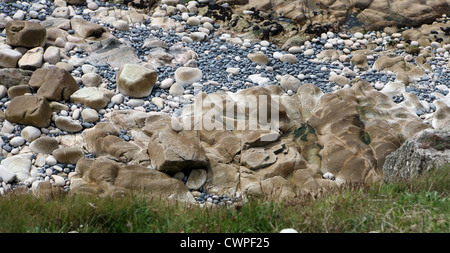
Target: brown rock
pixel 85 28
pixel 171 152
pixel 68 155
pixel 53 83
pixel 31 110
pixel 44 145
pixel 25 34
pixel 18 90
pixel 116 179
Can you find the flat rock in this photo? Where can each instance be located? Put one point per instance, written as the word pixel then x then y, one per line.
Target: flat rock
pixel 44 145
pixel 32 59
pixel 68 155
pixel 188 75
pixel 66 123
pixel 93 97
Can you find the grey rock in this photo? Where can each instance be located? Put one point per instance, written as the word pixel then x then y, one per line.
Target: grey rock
pixel 427 150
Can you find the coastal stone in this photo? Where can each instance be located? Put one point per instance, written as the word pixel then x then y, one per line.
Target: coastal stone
pixel 9 58
pixel 176 89
pixel 136 81
pixel 30 133
pixel 66 123
pixel 94 97
pixel 86 29
pixel 115 179
pixel 289 82
pixel 360 61
pixel 6 175
pixel 188 75
pixel 289 58
pixel 196 179
pixel 44 145
pixel 31 110
pixel 91 80
pixel 17 141
pixel 18 90
pixel 103 139
pixel 53 83
pixel 32 59
pixel 428 150
pixel 25 34
pixel 68 155
pixel 52 55
pixel 89 115
pixel 20 165
pixel 61 12
pixel 171 152
pixel 258 58
pixel 341 80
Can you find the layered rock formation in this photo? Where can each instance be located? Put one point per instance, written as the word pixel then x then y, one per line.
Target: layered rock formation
pixel 279 146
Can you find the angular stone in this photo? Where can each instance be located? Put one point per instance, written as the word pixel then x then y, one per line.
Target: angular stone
pixel 18 90
pixel 31 110
pixel 53 83
pixel 85 28
pixel 32 59
pixel 19 165
pixel 91 80
pixel 136 81
pixel 10 77
pixel 61 12
pixel 6 175
pixel 428 150
pixel 171 152
pixel 289 82
pixel 25 34
pixel 9 58
pixel 116 179
pixel 103 139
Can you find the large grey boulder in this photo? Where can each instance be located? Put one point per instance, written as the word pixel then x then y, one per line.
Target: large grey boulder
pixel 429 149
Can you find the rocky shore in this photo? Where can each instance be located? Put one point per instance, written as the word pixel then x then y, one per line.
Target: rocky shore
pixel 103 98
